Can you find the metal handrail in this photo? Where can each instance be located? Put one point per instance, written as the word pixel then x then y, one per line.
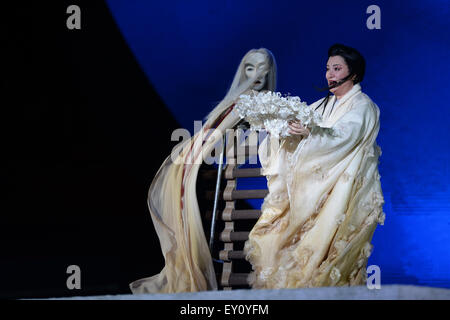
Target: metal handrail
pixel 216 196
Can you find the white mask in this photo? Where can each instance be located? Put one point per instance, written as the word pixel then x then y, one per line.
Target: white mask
pixel 254 63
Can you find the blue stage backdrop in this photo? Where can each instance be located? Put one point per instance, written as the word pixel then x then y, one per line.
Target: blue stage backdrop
pixel 190 51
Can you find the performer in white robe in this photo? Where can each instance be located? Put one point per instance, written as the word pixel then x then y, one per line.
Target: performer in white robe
pixel 325 196
pixel 172 198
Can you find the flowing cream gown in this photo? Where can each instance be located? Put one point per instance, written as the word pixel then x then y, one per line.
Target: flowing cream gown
pixel 172 202
pixel 324 200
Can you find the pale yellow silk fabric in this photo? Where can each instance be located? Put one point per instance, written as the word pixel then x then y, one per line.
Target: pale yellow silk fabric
pixel 324 200
pixel 176 217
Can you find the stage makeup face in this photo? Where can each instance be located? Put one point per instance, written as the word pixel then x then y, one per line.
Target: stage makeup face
pixel 256 62
pixel 337 69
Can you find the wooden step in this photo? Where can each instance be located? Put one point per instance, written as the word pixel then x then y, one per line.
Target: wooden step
pixel 231 236
pixel 243 173
pixel 231 173
pixel 229 195
pixel 230 214
pixel 236 279
pixel 231 255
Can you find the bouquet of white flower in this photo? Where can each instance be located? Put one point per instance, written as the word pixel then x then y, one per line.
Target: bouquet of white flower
pixel 271 111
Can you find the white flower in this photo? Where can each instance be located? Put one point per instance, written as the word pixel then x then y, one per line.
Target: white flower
pixel 272 111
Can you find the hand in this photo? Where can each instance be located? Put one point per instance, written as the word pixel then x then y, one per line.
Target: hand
pixel 296 128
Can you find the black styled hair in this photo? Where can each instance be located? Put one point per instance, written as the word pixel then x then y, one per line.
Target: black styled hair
pixel 355 62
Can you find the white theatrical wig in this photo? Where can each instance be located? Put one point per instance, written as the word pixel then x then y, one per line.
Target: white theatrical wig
pixel 241 84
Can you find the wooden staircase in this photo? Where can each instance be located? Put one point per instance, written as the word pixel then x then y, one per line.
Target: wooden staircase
pixel 234 217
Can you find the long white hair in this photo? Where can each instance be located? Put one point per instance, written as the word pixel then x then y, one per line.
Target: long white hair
pixel 242 84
